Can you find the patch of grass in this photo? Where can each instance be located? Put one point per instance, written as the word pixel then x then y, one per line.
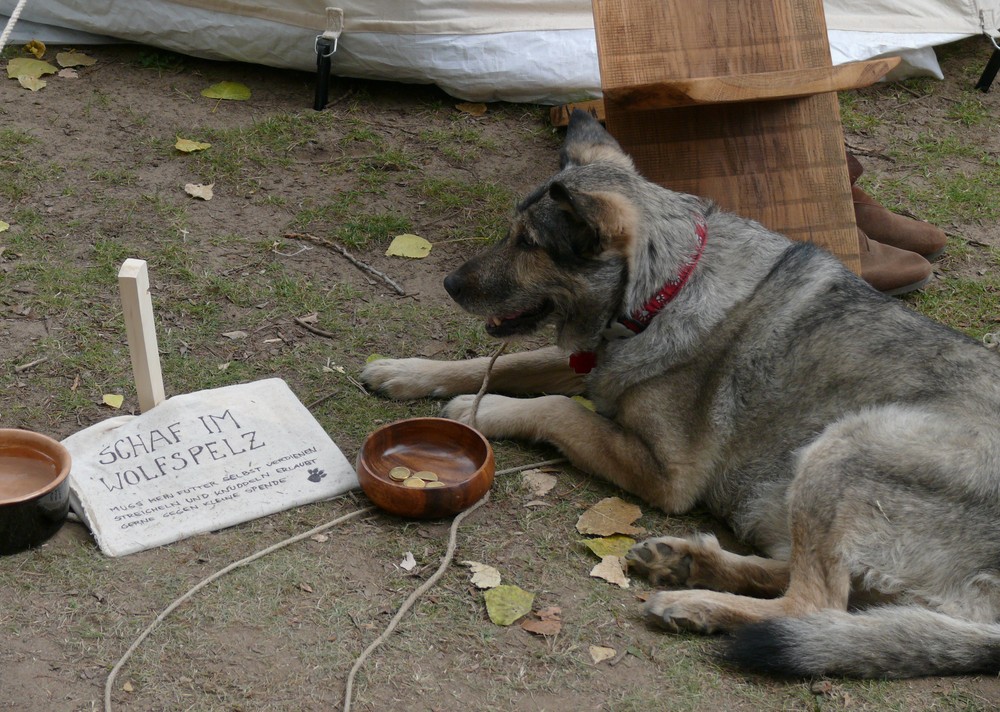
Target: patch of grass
pixel 461 142
pixel 853 116
pixel 484 206
pixel 115 176
pixel 21 174
pixel 379 228
pixel 329 212
pixel 969 305
pixel 970 111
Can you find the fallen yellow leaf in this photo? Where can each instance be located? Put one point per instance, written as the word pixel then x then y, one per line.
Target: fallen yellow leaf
pixel 35 47
pixel 505 604
pixel 615 545
pixel 113 400
pixel 75 59
pixel 32 83
pixel 612 570
pixel 599 653
pixel 412 246
pixel 609 516
pixel 232 91
pixel 187 145
pixel 24 67
pixel 483 575
pixel 197 190
pixel 4 226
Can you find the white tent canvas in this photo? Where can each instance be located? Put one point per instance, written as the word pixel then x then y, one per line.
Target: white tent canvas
pixel 477 50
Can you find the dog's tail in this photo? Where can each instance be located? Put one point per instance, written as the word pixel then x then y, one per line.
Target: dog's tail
pixel 884 642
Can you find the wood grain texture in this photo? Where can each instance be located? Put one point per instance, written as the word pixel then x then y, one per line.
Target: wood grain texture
pixel 786 84
pixel 781 161
pixel 459 455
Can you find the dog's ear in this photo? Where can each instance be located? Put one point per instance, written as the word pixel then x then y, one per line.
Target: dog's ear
pixel 588 142
pixel 611 216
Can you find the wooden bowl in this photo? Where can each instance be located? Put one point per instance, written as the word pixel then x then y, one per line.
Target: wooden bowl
pixel 34 488
pixel 459 455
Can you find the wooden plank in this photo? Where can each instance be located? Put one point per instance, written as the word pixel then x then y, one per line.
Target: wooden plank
pixel 785 84
pixel 780 162
pixel 133 284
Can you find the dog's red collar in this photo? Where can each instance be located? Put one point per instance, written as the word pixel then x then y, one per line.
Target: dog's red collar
pixel 637 321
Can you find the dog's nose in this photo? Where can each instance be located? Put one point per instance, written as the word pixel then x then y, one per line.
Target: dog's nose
pixel 453 285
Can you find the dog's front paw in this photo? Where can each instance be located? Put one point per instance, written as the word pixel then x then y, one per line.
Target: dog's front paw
pixel 402 378
pixel 491 417
pixel 669 560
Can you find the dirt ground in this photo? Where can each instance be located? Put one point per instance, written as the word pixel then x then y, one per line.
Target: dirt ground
pixel 99 180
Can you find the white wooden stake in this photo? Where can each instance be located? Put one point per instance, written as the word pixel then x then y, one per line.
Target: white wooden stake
pixel 133 283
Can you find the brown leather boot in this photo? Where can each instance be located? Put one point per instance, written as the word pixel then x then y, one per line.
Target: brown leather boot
pixel 885 226
pixel 854 168
pixel 891 270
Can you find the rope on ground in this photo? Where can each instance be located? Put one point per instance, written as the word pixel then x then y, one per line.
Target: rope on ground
pixel 408 603
pixel 11 22
pixel 486 382
pixel 109 685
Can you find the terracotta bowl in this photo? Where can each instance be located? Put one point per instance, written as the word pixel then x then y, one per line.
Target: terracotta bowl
pixel 458 455
pixel 34 488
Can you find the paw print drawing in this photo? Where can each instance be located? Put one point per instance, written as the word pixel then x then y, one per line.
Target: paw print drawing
pixel 316 474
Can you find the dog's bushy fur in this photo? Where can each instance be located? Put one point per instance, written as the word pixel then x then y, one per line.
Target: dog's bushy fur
pixel 851 440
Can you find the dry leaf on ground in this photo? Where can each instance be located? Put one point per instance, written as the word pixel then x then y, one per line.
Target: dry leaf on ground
pixel 188 145
pixel 232 91
pixel 24 67
pixel 611 569
pixel 408 563
pixel 407 245
pixel 538 482
pixel 113 400
pixel 483 575
pixel 35 47
pixel 505 604
pixel 74 59
pixel 609 516
pixel 542 627
pixel 599 653
pixel 32 83
pixel 614 545
pixel 197 190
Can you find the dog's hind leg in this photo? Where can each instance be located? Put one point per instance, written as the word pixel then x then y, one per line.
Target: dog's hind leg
pixel 528 372
pixel 871 500
pixel 699 562
pixel 822 498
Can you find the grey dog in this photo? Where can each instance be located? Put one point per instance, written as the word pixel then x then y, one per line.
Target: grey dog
pixel 851 440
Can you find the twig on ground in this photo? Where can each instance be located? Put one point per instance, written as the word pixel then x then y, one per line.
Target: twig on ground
pixel 25 366
pixel 314 329
pixel 349 257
